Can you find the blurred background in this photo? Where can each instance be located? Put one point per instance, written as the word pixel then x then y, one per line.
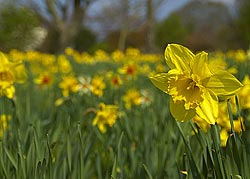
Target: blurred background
pixel 149 25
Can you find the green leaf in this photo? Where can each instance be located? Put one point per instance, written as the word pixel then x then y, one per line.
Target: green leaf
pixel 3 163
pixel 69 153
pixel 114 173
pixel 193 166
pixel 11 158
pixel 217 154
pixel 98 165
pixel 147 171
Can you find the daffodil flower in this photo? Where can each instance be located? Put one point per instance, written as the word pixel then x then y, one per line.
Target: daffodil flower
pixel 194 87
pixel 10 72
pixel 106 115
pixel 69 84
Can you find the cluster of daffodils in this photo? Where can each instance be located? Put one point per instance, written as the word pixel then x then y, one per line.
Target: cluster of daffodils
pixel 195 88
pixel 130 64
pixel 131 54
pixel 83 85
pixel 95 86
pixel 195 84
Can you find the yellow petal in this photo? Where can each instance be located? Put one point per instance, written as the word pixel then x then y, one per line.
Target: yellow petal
pixel 178 56
pixel 95 121
pixel 3 61
pixel 223 84
pixel 59 101
pixel 161 81
pixel 208 108
pixel 102 127
pixel 200 65
pixel 201 123
pixel 179 112
pixel 10 91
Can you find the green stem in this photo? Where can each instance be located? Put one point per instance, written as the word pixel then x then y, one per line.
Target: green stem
pixel 230 113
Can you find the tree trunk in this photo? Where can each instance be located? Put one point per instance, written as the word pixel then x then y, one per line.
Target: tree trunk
pixel 124 28
pixel 62 31
pixel 68 33
pixel 150 27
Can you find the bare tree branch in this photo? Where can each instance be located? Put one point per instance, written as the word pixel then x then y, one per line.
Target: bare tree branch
pixel 63 18
pixel 52 10
pixel 39 12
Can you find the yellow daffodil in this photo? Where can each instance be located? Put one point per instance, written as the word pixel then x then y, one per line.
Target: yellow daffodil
pixel 69 51
pixel 194 87
pixel 117 55
pixel 240 55
pixel 43 80
pixel 128 69
pixel 115 80
pixel 87 58
pixel 132 97
pixel 106 115
pixel 144 69
pixel 97 86
pixel 10 72
pixel 101 55
pixel 4 119
pixel 132 52
pixel 69 84
pixel 64 64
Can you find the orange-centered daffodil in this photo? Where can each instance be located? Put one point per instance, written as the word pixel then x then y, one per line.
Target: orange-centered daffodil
pixel 194 87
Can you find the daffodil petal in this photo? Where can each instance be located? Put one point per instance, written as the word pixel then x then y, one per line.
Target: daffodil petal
pixel 200 66
pixel 10 91
pixel 208 108
pixel 3 61
pixel 178 56
pixel 160 80
pixel 223 84
pixel 179 112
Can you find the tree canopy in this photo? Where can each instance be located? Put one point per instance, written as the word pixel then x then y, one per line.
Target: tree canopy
pixel 16 27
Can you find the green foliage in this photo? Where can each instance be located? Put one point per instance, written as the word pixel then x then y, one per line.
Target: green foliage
pixel 85 40
pixel 16 27
pixel 242 22
pixel 51 42
pixel 169 31
pixel 209 160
